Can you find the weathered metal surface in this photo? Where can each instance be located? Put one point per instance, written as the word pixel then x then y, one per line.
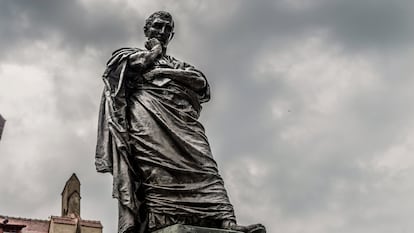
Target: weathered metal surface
pixel 150 139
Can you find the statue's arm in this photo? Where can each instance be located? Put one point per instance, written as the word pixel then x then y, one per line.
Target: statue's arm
pixel 190 78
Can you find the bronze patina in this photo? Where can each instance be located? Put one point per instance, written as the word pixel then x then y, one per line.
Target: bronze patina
pixel 150 139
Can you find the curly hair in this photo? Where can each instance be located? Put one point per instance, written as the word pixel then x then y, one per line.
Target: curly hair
pixel 159 14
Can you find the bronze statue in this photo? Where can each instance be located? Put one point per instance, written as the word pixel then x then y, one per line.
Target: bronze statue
pixel 150 139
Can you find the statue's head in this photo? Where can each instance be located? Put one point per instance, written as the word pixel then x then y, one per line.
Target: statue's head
pixel 160 25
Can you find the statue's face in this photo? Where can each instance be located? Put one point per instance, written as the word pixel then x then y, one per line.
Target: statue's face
pixel 160 29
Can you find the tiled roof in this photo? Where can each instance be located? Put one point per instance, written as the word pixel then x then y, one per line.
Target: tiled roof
pixel 32 225
pixel 42 226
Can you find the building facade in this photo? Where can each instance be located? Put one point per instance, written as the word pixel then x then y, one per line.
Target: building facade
pixel 69 221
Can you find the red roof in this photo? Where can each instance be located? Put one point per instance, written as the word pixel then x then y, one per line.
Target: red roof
pixel 42 226
pixel 32 225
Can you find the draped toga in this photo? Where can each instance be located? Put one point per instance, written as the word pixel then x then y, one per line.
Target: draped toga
pixel 150 139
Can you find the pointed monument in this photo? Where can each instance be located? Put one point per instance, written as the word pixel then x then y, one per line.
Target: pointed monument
pixel 70 221
pixel 71 197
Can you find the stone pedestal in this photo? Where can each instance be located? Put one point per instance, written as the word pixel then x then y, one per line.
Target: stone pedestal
pixel 178 228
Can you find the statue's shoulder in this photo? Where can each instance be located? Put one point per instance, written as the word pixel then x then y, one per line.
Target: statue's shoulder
pixel 121 55
pixel 125 50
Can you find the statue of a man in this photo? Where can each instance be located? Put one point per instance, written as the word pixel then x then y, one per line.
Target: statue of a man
pixel 150 139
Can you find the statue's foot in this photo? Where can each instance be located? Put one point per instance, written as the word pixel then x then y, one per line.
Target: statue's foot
pixel 254 228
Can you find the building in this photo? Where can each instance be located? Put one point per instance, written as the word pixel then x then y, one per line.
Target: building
pixel 69 222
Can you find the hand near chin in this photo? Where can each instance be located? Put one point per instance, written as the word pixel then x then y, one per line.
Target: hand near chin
pixel 153 44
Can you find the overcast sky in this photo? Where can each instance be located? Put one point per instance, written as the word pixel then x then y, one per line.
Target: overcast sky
pixel 311 119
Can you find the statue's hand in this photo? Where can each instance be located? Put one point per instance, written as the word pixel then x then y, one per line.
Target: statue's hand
pixel 143 59
pixel 154 45
pixel 172 73
pixel 188 77
pixel 150 75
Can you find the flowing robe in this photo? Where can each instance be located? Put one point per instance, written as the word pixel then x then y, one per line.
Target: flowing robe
pixel 150 139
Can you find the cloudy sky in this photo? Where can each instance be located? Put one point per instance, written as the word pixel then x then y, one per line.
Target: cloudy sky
pixel 311 118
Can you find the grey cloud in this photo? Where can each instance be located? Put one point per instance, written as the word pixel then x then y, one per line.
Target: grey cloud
pixel 356 24
pixel 368 24
pixel 76 27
